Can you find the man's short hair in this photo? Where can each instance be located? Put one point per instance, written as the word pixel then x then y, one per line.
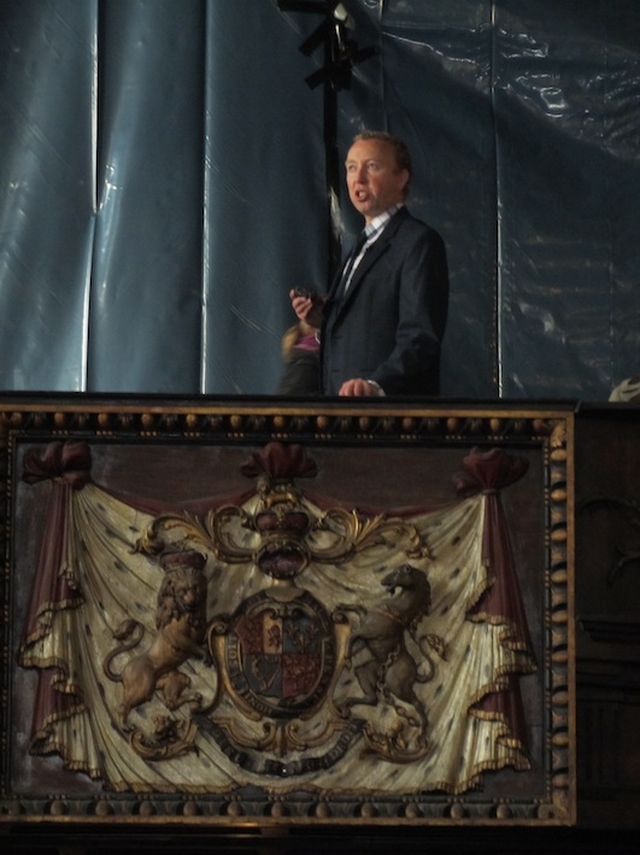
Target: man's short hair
pixel 403 158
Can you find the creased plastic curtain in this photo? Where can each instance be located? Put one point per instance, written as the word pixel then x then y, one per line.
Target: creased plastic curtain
pixel 162 187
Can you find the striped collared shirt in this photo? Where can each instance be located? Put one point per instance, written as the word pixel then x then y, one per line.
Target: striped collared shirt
pixel 373 230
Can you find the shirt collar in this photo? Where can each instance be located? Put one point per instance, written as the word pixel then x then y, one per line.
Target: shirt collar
pixel 375 226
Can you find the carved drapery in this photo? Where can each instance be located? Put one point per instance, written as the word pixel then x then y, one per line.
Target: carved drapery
pixel 500 602
pixel 92 576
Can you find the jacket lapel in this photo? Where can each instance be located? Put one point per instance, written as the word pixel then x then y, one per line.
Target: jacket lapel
pixel 373 254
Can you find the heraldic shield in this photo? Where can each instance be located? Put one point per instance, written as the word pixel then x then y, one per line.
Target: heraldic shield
pixel 280 656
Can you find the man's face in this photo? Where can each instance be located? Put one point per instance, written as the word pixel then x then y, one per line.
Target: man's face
pixel 373 178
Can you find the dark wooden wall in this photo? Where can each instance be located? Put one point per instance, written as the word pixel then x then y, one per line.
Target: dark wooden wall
pixel 608 615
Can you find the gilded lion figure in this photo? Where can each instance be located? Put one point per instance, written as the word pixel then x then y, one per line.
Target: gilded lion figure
pixel 180 624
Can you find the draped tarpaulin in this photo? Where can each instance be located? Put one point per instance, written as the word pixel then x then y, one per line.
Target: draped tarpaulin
pixel 162 186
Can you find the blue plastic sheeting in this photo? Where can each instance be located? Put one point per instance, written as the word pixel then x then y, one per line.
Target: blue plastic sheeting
pixel 146 276
pixel 163 186
pixel 566 95
pixel 47 193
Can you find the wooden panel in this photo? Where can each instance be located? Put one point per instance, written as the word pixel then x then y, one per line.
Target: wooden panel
pixel 323 519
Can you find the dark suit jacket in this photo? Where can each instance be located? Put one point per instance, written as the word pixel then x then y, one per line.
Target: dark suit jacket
pixel 390 324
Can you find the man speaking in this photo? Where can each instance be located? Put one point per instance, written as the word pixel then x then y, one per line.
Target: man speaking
pixel 382 322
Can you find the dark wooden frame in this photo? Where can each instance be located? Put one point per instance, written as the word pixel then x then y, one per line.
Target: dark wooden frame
pixel 544 434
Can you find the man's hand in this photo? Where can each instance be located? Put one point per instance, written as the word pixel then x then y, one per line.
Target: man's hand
pixel 360 388
pixel 308 309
